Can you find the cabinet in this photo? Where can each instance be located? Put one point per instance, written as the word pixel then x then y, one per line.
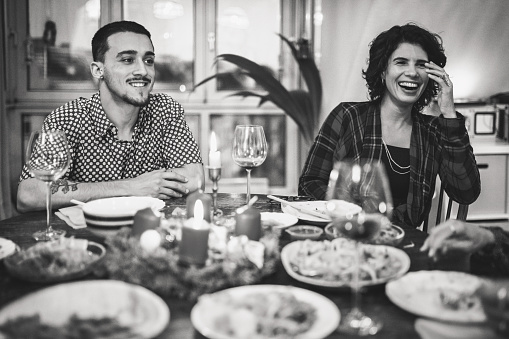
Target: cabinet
pixel 492 157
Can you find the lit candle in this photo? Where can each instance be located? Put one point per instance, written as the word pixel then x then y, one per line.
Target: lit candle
pixel 150 240
pixel 249 223
pixel 214 154
pixel 205 199
pixel 193 247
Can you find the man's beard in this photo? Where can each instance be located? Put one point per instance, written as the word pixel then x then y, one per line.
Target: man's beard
pixel 136 102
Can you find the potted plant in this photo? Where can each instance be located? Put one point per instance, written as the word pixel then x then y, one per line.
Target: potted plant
pixel 302 105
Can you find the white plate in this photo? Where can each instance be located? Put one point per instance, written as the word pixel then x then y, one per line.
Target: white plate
pixel 132 305
pixel 328 315
pixel 418 293
pixel 7 247
pixel 290 250
pixel 117 212
pixel 278 220
pixel 319 206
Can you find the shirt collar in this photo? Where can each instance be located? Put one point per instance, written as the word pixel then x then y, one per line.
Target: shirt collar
pixel 103 125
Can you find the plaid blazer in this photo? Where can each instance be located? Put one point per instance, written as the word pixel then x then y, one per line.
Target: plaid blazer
pixel 353 130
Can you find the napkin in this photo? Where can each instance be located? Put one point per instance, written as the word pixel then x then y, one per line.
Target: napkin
pixel 431 329
pixel 73 216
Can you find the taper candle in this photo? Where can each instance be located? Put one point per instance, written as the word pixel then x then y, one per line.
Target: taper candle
pixel 214 154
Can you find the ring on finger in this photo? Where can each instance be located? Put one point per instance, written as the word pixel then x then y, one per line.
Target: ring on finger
pixel 446 79
pixel 452 228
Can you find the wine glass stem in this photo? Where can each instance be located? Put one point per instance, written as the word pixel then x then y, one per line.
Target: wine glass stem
pixel 48 207
pixel 248 185
pixel 356 280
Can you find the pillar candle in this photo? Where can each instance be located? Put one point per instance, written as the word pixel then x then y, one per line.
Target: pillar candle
pixel 249 223
pixel 193 247
pixel 206 201
pixel 144 219
pixel 214 154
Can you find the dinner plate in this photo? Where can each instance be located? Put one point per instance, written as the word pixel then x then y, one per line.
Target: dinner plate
pixel 396 256
pixel 117 212
pixel 7 247
pixel 277 220
pixel 419 293
pixel 327 320
pixel 145 313
pixel 319 206
pixel 26 265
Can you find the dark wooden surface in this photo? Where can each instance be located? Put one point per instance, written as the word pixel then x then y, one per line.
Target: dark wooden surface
pixel 397 322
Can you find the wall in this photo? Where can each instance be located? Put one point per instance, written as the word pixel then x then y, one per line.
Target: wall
pixel 475 35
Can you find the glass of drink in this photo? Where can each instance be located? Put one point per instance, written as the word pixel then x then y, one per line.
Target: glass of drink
pixel 249 149
pixel 47 159
pixel 366 186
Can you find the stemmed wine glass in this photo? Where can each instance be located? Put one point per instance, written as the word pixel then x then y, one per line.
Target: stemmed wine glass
pixel 249 149
pixel 365 185
pixel 47 159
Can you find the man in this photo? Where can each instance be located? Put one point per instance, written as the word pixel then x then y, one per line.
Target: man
pixel 124 140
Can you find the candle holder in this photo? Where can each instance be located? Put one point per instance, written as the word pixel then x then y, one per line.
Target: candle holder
pixel 214 176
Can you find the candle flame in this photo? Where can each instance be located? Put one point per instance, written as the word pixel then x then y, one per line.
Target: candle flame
pixel 198 213
pixel 213 142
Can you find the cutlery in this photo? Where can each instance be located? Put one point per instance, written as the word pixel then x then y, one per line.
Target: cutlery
pixel 77 202
pixel 300 208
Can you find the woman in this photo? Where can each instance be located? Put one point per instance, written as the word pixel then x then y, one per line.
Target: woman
pixel 405 72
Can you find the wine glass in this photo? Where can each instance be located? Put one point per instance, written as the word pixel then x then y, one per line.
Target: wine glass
pixel 367 186
pixel 47 160
pixel 249 149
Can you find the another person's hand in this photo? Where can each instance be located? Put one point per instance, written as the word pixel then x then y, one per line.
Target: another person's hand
pixel 457 236
pixel 494 297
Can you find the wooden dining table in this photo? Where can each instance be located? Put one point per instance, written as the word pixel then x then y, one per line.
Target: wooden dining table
pixel 397 322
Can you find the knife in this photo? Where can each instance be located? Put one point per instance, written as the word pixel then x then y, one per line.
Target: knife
pixel 300 208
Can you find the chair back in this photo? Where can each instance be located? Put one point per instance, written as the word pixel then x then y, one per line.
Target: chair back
pixel 441 217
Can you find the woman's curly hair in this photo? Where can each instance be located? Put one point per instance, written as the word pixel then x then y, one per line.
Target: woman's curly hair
pixel 382 47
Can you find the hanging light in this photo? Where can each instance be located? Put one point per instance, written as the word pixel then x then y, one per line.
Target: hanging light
pixel 168 9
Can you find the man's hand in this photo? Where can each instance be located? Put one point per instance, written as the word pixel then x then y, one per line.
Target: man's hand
pixel 162 184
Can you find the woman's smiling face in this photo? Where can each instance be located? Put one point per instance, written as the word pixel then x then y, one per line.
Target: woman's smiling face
pixel 405 76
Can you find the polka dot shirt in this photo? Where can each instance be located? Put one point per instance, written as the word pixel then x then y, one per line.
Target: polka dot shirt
pixel 161 139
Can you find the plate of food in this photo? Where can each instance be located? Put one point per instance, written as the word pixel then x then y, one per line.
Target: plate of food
pixel 442 295
pixel 7 247
pixel 55 261
pixel 330 263
pixel 265 311
pixel 277 221
pixel 96 308
pixel 298 209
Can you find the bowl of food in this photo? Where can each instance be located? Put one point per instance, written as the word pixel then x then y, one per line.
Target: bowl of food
pixel 390 234
pixel 55 261
pixel 301 232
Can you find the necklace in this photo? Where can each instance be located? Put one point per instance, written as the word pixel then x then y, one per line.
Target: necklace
pixel 400 169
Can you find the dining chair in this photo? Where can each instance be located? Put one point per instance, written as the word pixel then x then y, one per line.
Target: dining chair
pixel 440 216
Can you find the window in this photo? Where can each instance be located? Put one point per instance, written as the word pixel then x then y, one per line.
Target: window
pixel 187 36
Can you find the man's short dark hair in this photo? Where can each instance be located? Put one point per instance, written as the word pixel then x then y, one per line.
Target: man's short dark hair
pixel 100 40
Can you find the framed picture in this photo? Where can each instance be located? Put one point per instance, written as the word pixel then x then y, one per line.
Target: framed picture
pixel 484 123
